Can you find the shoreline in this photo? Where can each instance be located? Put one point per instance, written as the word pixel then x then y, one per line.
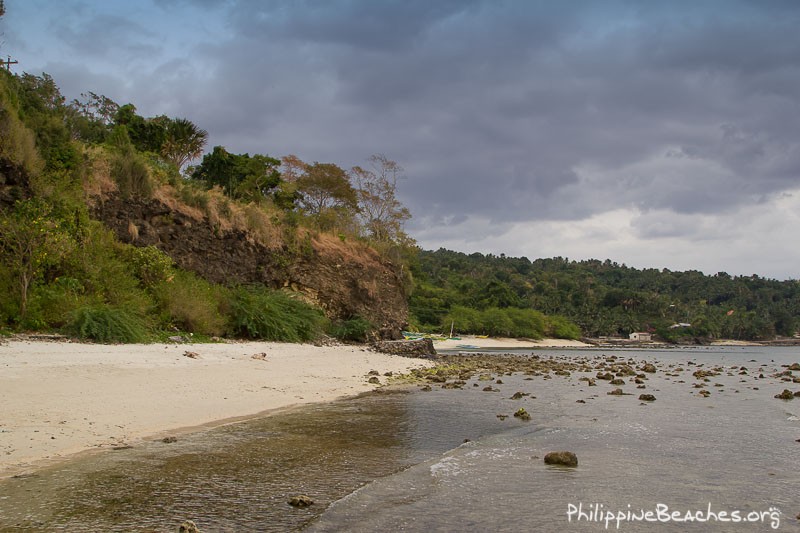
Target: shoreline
pixel 63 399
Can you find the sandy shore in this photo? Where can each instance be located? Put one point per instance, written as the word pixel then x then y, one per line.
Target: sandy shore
pixel 57 399
pixel 504 343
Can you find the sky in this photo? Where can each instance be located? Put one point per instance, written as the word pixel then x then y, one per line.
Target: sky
pixel 654 134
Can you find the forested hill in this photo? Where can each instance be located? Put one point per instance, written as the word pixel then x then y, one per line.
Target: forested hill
pixel 605 298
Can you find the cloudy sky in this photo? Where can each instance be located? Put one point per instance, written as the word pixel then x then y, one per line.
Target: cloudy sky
pixel 655 134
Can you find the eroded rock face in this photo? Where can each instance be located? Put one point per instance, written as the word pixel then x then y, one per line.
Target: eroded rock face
pixel 344 279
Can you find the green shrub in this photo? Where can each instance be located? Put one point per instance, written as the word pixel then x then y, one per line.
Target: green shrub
pixel 132 176
pixel 561 327
pixel 355 329
pixel 107 325
pixel 259 313
pixel 190 303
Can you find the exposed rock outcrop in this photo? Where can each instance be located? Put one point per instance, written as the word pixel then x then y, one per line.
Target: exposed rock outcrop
pixel 344 279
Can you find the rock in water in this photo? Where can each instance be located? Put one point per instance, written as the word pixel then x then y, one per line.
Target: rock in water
pixel 522 414
pixel 785 395
pixel 188 527
pixel 649 368
pixel 561 458
pixel 615 392
pixel 647 398
pixel 300 501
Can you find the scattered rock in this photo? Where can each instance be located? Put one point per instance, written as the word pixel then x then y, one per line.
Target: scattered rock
pixel 260 356
pixel 785 395
pixel 647 398
pixel 519 395
pixel 300 501
pixel 419 348
pixel 615 392
pixel 169 440
pixel 191 355
pixel 490 389
pixel 522 414
pixel 188 527
pixel 374 380
pixel 617 381
pixel 176 338
pixel 388 374
pixel 426 388
pixel 704 393
pixel 561 458
pixel 373 373
pixel 607 376
pixel 795 366
pixel 580 401
pixel 649 368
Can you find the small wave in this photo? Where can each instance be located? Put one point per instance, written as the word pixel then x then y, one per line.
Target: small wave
pixel 446 467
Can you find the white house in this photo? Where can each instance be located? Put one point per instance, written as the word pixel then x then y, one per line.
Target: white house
pixel 640 336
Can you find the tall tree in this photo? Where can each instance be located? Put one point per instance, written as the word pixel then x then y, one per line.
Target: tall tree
pixel 382 214
pixel 184 142
pixel 326 194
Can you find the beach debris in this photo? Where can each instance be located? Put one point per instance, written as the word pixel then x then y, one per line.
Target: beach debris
pixel 785 395
pixel 300 500
pixel 260 356
pixel 562 458
pixel 169 440
pixel 647 398
pixel 191 355
pixel 188 527
pixel 522 414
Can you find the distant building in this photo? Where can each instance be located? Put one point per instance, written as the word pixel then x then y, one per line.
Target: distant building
pixel 640 336
pixel 680 325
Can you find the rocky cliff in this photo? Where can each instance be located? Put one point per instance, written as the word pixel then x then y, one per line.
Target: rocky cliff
pixel 344 279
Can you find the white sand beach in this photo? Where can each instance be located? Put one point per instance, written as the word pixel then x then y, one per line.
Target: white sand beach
pixel 60 398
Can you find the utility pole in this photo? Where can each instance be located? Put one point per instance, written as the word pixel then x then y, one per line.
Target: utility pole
pixel 8 62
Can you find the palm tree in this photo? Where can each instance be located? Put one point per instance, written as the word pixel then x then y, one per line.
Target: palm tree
pixel 184 142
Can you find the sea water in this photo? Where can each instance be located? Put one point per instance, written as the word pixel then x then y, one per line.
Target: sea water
pixel 444 460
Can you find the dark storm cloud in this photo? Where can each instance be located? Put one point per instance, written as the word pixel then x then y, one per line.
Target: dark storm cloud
pixel 498 108
pixel 506 110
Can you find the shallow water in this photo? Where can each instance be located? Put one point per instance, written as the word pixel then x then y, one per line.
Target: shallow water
pixel 398 460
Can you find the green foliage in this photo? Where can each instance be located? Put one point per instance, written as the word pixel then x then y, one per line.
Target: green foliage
pixel 150 265
pixel 31 240
pixel 131 175
pixel 107 324
pixel 250 179
pixel 258 313
pixel 190 303
pixel 603 298
pixel 355 329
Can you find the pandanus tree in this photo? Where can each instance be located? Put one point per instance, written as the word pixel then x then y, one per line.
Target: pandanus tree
pixel 184 142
